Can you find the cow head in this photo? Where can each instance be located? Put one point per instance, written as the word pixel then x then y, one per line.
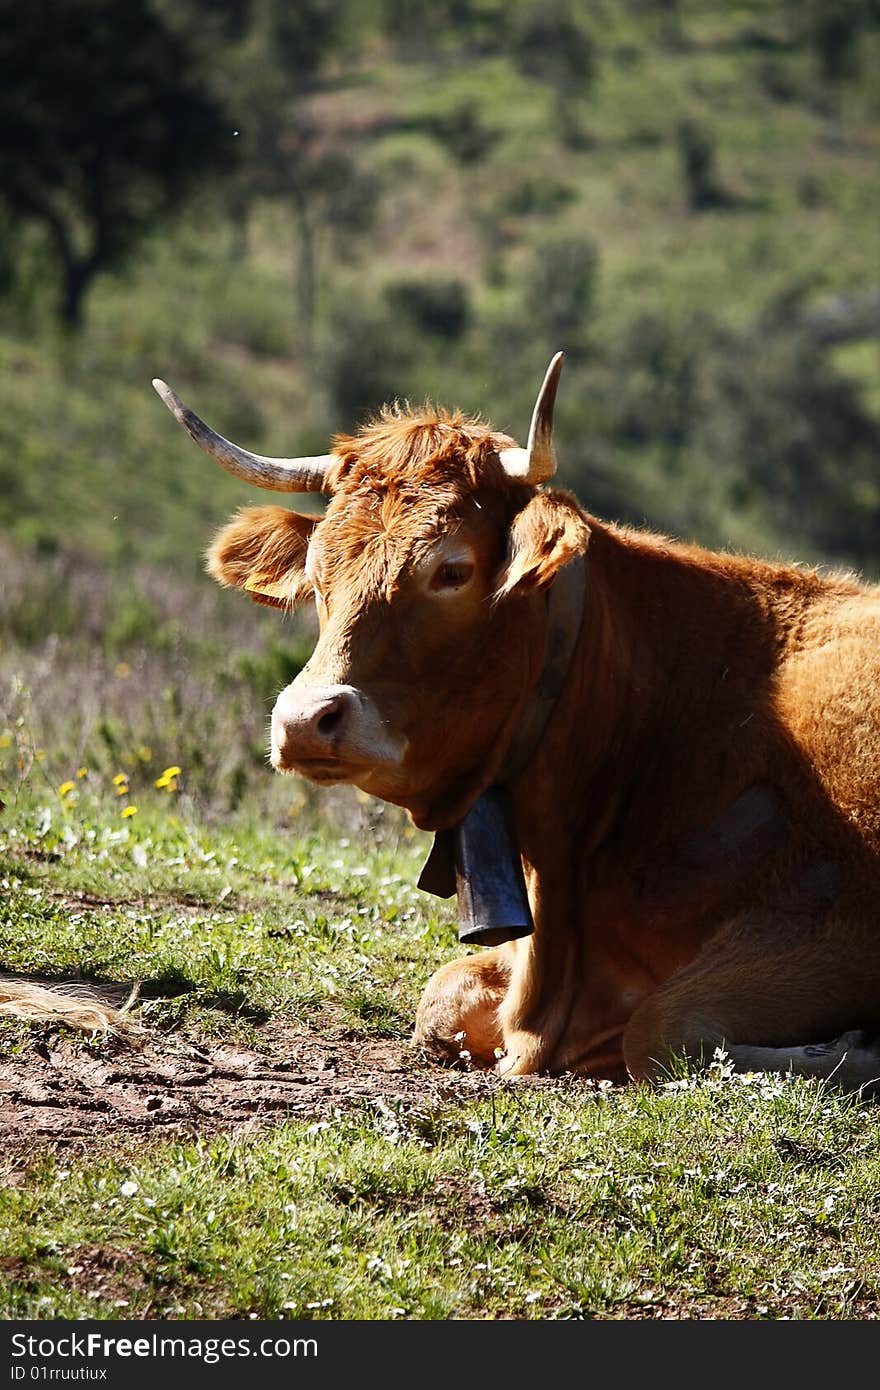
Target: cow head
pixel 428 569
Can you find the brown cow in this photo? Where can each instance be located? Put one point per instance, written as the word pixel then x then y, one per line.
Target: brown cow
pixel 699 817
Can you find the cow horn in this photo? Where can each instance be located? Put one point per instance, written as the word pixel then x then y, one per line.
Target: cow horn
pixel 279 475
pixel 537 463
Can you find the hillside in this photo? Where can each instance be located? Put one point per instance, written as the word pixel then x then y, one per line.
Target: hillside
pixel 492 205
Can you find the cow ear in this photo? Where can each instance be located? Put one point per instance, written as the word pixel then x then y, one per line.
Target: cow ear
pixel 548 532
pixel 263 551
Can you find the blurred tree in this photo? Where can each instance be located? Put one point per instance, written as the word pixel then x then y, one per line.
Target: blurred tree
pixel 422 29
pixel 210 19
pixel 696 151
pixel 652 394
pixel 461 129
pixel 365 358
pixel 106 122
pixel 550 44
pixel 668 16
pixel 758 422
pixel 560 292
pixel 286 153
pixel 833 29
pixel 305 33
pixel 439 306
pixel 777 418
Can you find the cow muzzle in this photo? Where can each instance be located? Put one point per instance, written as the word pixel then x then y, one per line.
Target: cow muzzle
pixel 330 733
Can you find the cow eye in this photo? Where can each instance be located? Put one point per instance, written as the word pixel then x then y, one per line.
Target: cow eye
pixel 452 574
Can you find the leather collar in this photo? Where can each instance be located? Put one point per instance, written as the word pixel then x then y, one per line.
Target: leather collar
pixel 565 611
pixel 479 858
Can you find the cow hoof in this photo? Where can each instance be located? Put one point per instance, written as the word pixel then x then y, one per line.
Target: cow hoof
pixel 454 1051
pixel 457 1018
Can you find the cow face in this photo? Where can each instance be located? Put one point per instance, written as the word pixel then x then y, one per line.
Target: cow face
pixel 427 571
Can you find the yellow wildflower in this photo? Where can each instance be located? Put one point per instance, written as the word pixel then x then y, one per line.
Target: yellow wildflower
pixel 5 740
pixel 145 753
pixel 66 788
pixel 129 811
pixel 120 779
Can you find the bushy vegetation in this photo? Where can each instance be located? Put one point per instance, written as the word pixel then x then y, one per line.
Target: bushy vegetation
pixel 409 215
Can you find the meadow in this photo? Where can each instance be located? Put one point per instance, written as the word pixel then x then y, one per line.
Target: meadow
pixel 265 1142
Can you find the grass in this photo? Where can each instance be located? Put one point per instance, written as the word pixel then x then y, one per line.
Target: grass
pixel 710 1197
pixel 277 920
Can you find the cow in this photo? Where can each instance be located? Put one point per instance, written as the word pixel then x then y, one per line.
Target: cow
pixel 689 741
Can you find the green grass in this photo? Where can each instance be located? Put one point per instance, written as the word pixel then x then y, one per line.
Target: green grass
pixel 242 921
pixel 716 1196
pixel 746 1199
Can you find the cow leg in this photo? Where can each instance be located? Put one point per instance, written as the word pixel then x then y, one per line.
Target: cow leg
pixel 769 1011
pixel 850 1062
pixel 459 1009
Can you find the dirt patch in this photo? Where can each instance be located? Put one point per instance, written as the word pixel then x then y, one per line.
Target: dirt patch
pixel 103 1274
pixel 60 1092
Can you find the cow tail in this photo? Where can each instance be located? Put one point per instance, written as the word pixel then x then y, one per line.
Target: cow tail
pixel 75 1005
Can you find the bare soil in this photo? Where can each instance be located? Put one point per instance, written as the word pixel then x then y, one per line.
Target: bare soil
pixel 60 1092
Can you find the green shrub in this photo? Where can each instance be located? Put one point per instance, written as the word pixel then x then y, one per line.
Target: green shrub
pixel 560 290
pixel 536 195
pixel 550 43
pixel 440 306
pixel 461 130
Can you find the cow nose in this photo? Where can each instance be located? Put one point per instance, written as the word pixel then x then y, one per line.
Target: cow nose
pixel 309 726
pixel 330 721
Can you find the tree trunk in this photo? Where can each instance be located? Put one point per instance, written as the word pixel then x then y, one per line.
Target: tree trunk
pixel 77 272
pixel 305 281
pixel 77 276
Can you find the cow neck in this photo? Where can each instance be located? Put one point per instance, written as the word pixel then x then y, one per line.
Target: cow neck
pixel 479 857
pixel 565 611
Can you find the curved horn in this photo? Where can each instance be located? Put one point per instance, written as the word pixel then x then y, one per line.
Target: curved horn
pixel 536 463
pixel 280 475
